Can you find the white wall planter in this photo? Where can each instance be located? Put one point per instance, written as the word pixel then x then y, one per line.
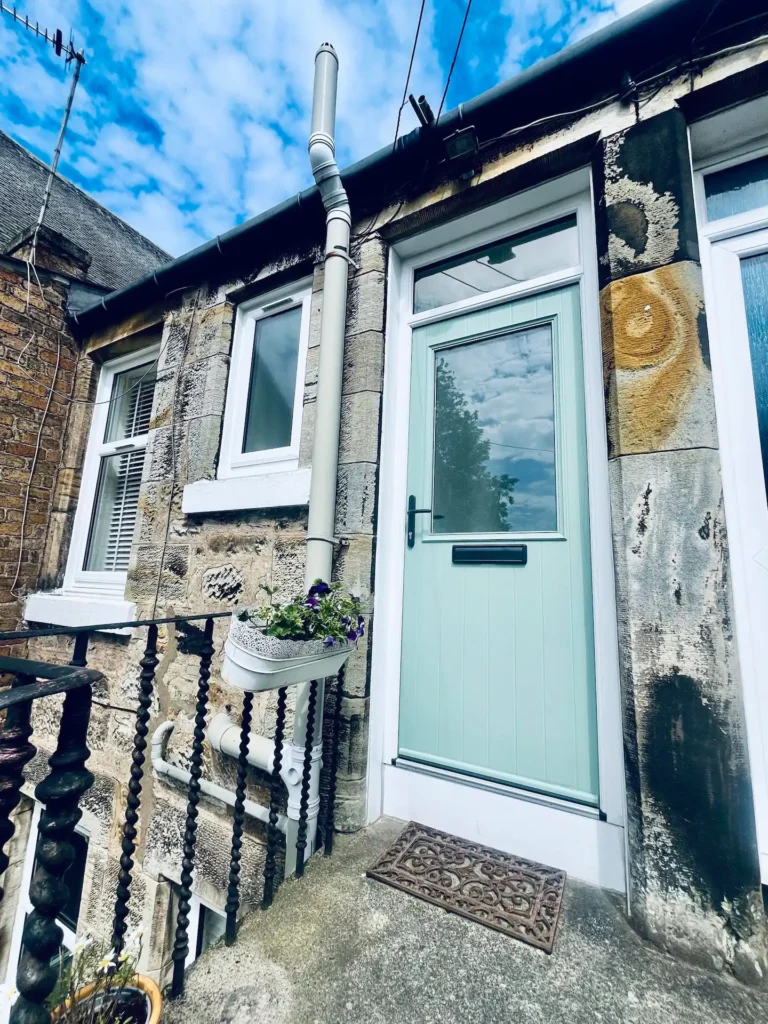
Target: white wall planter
pixel 255 662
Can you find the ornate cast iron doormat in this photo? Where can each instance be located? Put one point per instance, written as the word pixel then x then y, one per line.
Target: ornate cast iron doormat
pixel 514 896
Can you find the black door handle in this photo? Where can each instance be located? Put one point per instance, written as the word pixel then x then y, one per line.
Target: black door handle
pixel 412 513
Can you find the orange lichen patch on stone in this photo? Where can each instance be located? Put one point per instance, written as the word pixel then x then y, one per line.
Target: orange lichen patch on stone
pixel 658 388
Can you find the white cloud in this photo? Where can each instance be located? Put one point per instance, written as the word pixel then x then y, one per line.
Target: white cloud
pixel 224 91
pixel 193 115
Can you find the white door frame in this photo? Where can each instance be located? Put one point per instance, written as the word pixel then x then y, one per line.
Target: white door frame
pixel 723 245
pixel 588 843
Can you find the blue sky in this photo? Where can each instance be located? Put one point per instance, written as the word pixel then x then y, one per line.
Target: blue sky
pixel 192 115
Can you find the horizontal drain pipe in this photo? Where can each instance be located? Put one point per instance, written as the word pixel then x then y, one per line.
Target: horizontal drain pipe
pixel 224 736
pixel 212 789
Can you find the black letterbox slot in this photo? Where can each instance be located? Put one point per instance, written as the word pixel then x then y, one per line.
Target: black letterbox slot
pixel 487 554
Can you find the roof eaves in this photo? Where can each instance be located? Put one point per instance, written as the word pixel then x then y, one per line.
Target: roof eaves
pixel 656 37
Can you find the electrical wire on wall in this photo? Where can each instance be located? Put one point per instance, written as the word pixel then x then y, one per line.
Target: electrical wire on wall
pixel 177 375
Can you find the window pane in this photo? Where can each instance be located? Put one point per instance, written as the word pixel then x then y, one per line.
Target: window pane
pixel 269 419
pixel 737 189
pixel 519 258
pixel 131 403
pixel 754 274
pixel 494 461
pixel 210 929
pixel 114 512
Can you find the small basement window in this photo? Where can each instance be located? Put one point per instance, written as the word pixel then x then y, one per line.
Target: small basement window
pixel 262 419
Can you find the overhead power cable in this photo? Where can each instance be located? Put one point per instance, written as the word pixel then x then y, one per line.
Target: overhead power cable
pixel 455 57
pixel 408 76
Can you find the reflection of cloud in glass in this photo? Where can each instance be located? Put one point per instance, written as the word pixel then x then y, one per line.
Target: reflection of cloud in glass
pixel 504 386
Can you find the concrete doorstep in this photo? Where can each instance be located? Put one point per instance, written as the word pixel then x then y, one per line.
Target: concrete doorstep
pixel 338 948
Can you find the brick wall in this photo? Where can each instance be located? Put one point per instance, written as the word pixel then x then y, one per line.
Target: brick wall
pixel 30 334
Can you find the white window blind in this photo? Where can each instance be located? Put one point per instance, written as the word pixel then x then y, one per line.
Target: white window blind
pixel 120 470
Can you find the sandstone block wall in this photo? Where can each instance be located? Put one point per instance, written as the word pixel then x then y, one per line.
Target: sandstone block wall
pixel 693 871
pixel 184 564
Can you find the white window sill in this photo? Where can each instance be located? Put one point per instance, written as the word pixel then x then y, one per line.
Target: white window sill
pixel 68 610
pixel 267 490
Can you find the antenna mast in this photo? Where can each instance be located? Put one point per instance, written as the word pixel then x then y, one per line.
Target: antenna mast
pixel 68 51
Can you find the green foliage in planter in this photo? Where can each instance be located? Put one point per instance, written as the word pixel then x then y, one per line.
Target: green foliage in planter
pixel 326 613
pixel 113 976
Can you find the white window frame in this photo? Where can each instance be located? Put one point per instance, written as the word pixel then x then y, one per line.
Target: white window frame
pixel 24 906
pixel 233 462
pixel 77 580
pixel 89 598
pixel 196 906
pixel 589 843
pixel 724 243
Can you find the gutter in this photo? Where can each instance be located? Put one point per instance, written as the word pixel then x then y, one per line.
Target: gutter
pixel 651 40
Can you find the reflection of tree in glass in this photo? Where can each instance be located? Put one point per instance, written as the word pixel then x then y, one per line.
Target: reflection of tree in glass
pixel 466 494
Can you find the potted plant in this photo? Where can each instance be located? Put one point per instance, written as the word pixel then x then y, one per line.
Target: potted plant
pixel 308 637
pixel 98 987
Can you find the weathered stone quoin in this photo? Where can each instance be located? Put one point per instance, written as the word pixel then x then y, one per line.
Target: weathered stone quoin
pixel 693 866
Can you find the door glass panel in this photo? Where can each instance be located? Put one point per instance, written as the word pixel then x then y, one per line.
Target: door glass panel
pixel 737 189
pixel 494 435
pixel 519 258
pixel 754 273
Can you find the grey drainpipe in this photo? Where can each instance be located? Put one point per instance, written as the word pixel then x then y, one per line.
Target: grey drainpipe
pixel 325 449
pixel 325 452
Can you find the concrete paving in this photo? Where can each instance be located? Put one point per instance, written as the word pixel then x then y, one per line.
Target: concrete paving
pixel 337 948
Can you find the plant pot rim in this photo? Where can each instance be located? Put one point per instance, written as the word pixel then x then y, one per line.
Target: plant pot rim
pixel 140 981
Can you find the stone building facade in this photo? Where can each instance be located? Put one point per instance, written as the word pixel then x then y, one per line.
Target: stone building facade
pixel 691 865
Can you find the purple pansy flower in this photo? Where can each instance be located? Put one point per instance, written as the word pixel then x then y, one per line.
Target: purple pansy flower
pixel 318 588
pixel 329 641
pixel 352 635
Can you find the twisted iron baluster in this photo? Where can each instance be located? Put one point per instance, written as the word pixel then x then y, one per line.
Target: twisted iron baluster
pixel 273 833
pixel 301 838
pixel 233 890
pixel 60 794
pixel 146 682
pixel 333 767
pixel 15 752
pixel 181 943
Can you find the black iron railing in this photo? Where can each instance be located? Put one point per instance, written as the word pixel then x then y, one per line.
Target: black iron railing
pixel 68 779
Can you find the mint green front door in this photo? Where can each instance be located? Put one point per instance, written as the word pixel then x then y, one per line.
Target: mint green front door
pixel 497 674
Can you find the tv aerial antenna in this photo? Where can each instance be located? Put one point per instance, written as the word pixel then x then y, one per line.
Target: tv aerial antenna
pixel 71 55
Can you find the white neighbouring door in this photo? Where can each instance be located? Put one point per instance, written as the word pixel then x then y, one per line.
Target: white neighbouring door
pixel 732 208
pixel 495 701
pixel 739 306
